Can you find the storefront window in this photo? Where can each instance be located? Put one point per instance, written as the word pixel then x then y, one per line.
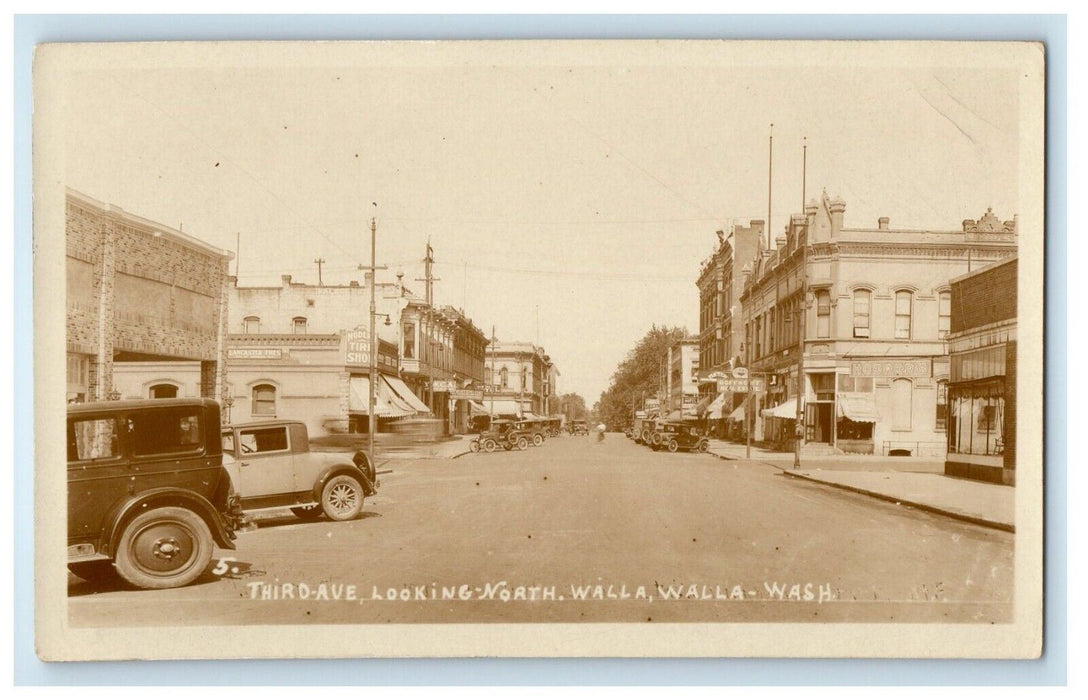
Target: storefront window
pixel 942 406
pixel 977 420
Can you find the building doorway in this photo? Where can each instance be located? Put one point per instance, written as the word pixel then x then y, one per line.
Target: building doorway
pixel 818 422
pixel 163 391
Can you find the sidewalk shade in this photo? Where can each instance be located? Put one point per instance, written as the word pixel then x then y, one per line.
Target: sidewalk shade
pixel 738 414
pixel 359 399
pixel 477 408
pixel 858 407
pixel 395 399
pixel 714 410
pixel 786 409
pixel 502 407
pixel 402 390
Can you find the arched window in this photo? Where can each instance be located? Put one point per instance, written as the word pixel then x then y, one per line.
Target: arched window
pixel 163 391
pixel 862 299
pixel 503 378
pixel 251 325
pixel 944 314
pixel 298 325
pixel 902 404
pixel 264 400
pixel 823 314
pixel 904 300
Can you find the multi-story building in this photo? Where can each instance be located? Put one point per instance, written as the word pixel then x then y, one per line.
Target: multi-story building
pixel 877 313
pixel 517 379
pixel 140 295
pixel 679 377
pixel 721 323
pixel 981 410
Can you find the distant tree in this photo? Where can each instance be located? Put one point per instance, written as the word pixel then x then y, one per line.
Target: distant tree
pixel 637 377
pixel 573 406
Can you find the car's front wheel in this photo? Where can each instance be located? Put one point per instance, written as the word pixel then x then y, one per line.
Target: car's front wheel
pixel 537 440
pixel 489 445
pixel 523 443
pixel 164 548
pixel 673 445
pixel 704 445
pixel 342 498
pixel 474 446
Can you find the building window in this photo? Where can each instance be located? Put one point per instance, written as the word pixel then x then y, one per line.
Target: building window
pixel 902 406
pixel 944 317
pixel 823 314
pixel 264 400
pixel 503 378
pixel 524 379
pixel 903 302
pixel 299 325
pixel 251 325
pixel 942 406
pixel 862 298
pixel 163 391
pixel 409 341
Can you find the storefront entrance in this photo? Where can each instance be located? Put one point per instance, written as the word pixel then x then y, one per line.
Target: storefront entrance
pixel 818 421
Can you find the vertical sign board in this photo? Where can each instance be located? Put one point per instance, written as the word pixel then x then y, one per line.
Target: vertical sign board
pixel 355 348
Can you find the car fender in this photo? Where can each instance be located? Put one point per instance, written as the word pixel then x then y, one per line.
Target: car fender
pixel 369 489
pixel 161 498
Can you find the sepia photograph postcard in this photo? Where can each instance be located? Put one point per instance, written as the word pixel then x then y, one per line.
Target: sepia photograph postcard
pixel 546 348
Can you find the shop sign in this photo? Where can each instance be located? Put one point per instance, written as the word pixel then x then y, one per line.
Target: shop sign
pixel 444 386
pixel 690 400
pixel 356 347
pixel 254 353
pixel 653 403
pixel 740 386
pixel 740 372
pixel 467 394
pixel 914 369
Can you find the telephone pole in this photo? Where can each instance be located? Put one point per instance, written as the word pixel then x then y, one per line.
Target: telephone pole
pixel 429 279
pixel 320 262
pixel 372 420
pixel 799 423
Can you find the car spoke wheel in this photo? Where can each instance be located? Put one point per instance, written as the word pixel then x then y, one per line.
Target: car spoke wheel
pixel 342 498
pixel 523 443
pixel 308 512
pixel 537 440
pixel 474 446
pixel 164 548
pixel 489 445
pixel 673 446
pixel 704 445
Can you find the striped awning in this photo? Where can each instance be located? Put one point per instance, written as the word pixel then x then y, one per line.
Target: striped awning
pixel 858 407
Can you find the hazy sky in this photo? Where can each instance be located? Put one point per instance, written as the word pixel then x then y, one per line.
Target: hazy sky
pixel 571 191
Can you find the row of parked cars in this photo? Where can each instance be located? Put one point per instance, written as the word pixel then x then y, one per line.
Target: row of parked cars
pixel 515 434
pixel 661 434
pixel 154 486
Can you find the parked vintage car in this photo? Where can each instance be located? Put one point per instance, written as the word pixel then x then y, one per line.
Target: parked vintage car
pixel 272 467
pixel 674 436
pixel 554 426
pixel 502 433
pixel 579 427
pixel 148 497
pixel 537 430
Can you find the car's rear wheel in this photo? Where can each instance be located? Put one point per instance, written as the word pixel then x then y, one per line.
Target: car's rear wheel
pixel 342 498
pixel 308 512
pixel 164 548
pixel 93 570
pixel 489 445
pixel 523 443
pixel 537 440
pixel 704 445
pixel 673 445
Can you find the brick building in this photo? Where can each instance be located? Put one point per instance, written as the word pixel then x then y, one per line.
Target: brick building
pixel 517 379
pixel 877 316
pixel 140 294
pixel 982 382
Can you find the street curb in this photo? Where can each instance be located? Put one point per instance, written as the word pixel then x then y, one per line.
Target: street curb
pixel 460 454
pixel 899 501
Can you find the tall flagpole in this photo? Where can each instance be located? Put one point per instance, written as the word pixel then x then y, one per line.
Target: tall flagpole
pixel 799 428
pixel 770 169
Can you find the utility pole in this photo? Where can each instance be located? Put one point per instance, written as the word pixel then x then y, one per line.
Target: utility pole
pixel 491 407
pixel 799 424
pixel 372 420
pixel 770 169
pixel 429 279
pixel 320 262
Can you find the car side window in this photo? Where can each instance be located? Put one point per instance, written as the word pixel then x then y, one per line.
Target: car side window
pixel 166 431
pixel 261 440
pixel 228 443
pixel 94 438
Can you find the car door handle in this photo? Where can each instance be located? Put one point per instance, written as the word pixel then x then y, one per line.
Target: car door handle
pixel 243 464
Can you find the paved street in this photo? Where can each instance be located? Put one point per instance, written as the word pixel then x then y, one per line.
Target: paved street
pixel 577 530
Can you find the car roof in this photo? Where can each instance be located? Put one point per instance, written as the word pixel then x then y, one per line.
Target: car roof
pixel 136 404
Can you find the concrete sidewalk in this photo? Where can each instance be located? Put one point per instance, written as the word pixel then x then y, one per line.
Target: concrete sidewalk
pixel 918 483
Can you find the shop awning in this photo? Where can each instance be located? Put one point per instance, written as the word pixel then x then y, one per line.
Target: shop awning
pixel 384 404
pixel 858 407
pixel 738 414
pixel 398 402
pixel 477 408
pixel 714 408
pixel 528 415
pixel 701 407
pixel 402 390
pixel 502 407
pixel 786 409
